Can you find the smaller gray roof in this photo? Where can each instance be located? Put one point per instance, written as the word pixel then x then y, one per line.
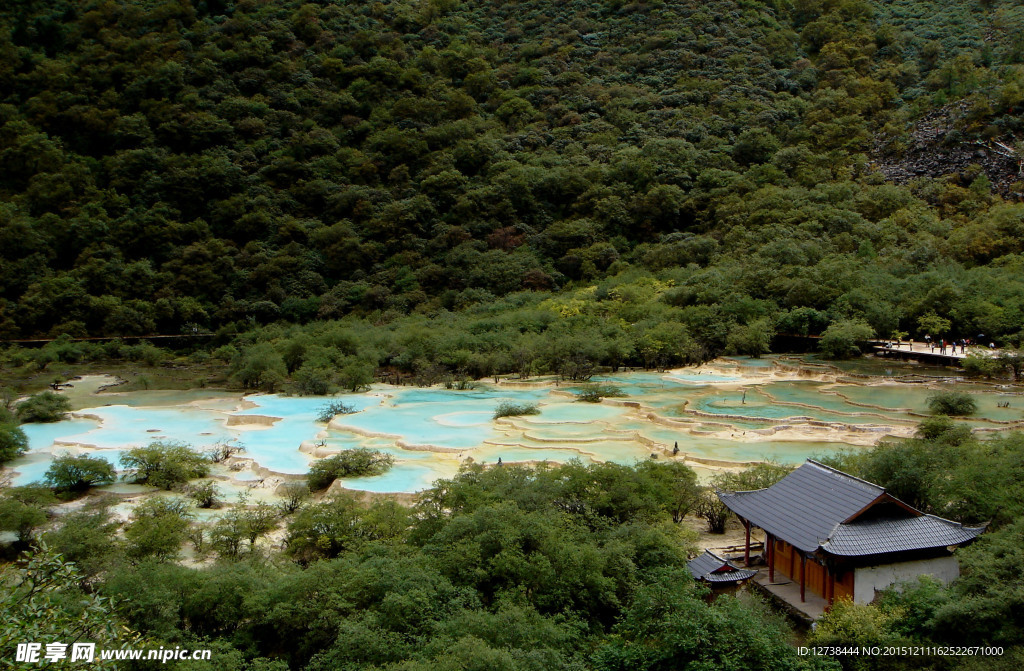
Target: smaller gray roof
pixel 712 568
pixel 879 536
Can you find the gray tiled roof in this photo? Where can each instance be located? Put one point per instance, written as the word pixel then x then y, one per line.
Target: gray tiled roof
pixel 809 508
pixel 896 535
pixel 804 507
pixel 704 567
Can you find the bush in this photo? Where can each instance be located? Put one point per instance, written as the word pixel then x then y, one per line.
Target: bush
pixel 758 476
pixel 23 509
pixel 356 375
pixel 597 392
pixel 841 340
pixel 13 442
pixel 204 493
pixel 329 411
pixel 71 473
pixel 294 495
pixel 348 464
pixel 165 465
pixel 711 509
pixel 44 407
pixel 223 451
pixel 507 409
pixel 982 365
pixel 158 528
pixel 87 537
pixel 342 523
pixel 955 403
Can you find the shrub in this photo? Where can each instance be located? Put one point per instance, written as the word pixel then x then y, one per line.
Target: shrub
pixel 356 375
pixel 348 464
pixel 71 473
pixel 982 365
pixel 507 409
pixel 158 528
pixel 841 340
pixel 165 465
pixel 13 442
pixel 44 407
pixel 24 509
pixel 87 537
pixel 204 493
pixel 329 411
pixel 595 393
pixel 956 403
pixel 711 509
pixel 223 451
pixel 294 495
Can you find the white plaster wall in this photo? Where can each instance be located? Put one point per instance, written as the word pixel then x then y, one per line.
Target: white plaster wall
pixel 871 578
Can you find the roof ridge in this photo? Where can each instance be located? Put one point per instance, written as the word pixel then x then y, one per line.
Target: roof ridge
pixel 715 555
pixel 846 475
pixel 959 524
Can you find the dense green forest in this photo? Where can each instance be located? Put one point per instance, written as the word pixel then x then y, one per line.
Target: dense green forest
pixel 513 568
pixel 173 165
pixel 327 193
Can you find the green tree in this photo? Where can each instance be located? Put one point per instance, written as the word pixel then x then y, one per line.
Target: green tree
pixel 293 495
pixel 70 473
pixel 157 528
pixel 205 493
pixel 753 339
pixel 87 537
pixel 982 364
pixel 669 625
pixel 711 509
pixel 856 625
pixel 165 464
pixel 259 367
pixel 758 476
pixel 25 509
pixel 680 490
pixel 348 464
pixel 329 411
pixel 1012 360
pixel 342 523
pixel 13 442
pixel 842 339
pixel 356 375
pixel 955 403
pixel 933 325
pixel 45 406
pixel 41 600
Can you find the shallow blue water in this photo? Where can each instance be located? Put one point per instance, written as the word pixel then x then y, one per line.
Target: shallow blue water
pixel 389 418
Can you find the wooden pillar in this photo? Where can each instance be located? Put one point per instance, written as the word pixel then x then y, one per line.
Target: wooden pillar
pixel 770 542
pixel 831 586
pixel 746 547
pixel 803 571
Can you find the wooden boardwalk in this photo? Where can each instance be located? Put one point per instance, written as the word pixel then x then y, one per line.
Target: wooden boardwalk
pixel 920 351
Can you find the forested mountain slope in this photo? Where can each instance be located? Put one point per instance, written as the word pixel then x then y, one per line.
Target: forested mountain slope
pixel 165 164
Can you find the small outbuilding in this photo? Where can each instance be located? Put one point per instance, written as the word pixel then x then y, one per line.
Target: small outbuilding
pixel 840 536
pixel 717 571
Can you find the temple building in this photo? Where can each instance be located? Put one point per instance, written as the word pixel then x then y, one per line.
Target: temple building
pixel 840 536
